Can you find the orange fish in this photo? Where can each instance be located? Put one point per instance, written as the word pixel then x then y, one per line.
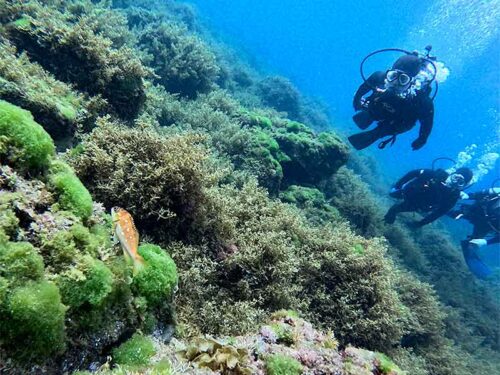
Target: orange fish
pixel 124 231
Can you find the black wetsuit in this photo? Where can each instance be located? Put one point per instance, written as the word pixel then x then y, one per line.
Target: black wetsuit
pixel 423 190
pixel 483 214
pixel 394 114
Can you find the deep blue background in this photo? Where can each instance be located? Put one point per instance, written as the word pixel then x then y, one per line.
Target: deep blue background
pixel 319 44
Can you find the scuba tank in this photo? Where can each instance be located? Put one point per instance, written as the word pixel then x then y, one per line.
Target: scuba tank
pixel 491 207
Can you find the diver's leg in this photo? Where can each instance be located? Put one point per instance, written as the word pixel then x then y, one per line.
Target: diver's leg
pixel 480 229
pixel 494 240
pixel 478 237
pixel 473 261
pixel 362 140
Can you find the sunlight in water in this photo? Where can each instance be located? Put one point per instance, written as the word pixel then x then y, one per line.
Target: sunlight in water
pixel 480 162
pixel 458 29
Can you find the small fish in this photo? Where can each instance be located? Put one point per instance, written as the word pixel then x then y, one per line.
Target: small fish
pixel 124 231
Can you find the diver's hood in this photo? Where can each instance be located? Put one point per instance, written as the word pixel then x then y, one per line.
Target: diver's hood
pixel 466 172
pixel 410 64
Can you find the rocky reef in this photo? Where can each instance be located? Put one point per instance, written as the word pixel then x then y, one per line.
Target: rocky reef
pixel 285 345
pixel 243 209
pixel 65 289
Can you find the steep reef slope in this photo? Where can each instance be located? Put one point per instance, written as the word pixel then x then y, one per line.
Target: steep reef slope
pixel 219 166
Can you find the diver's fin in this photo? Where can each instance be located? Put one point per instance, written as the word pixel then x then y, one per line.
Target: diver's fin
pixel 475 264
pixel 362 140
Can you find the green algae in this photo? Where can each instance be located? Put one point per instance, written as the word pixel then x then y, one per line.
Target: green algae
pixel 73 196
pixel 157 280
pixel 362 219
pixel 90 281
pixel 22 22
pixel 53 104
pixel 35 320
pixel 19 263
pixel 136 351
pixel 283 333
pixel 30 145
pixel 385 365
pixel 359 249
pixel 279 364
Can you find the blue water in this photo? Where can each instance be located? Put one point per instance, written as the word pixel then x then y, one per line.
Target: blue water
pixel 319 44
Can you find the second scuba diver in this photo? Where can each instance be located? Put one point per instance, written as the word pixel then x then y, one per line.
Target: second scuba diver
pixel 428 191
pixel 399 97
pixel 484 215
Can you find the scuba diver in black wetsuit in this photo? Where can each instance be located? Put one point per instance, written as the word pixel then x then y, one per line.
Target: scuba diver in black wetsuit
pixel 484 215
pixel 399 98
pixel 426 190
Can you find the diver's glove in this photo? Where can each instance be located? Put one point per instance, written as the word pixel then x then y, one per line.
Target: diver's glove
pixel 418 143
pixel 394 190
pixel 359 104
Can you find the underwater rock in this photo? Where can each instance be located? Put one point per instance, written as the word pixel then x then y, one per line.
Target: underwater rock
pixel 24 143
pixel 314 353
pixel 299 156
pixel 75 54
pixel 182 62
pixel 54 104
pixel 163 179
pixel 240 254
pixel 311 157
pixel 279 93
pixel 312 202
pixel 66 295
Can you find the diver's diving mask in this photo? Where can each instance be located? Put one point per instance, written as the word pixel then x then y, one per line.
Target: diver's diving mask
pixel 456 181
pixel 401 77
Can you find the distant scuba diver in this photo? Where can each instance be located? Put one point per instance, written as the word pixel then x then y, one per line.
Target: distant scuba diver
pixel 484 215
pixel 399 97
pixel 428 191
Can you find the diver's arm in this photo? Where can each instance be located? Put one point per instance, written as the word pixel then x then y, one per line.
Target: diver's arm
pixel 438 212
pixel 426 119
pixel 434 215
pixel 410 176
pixel 373 81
